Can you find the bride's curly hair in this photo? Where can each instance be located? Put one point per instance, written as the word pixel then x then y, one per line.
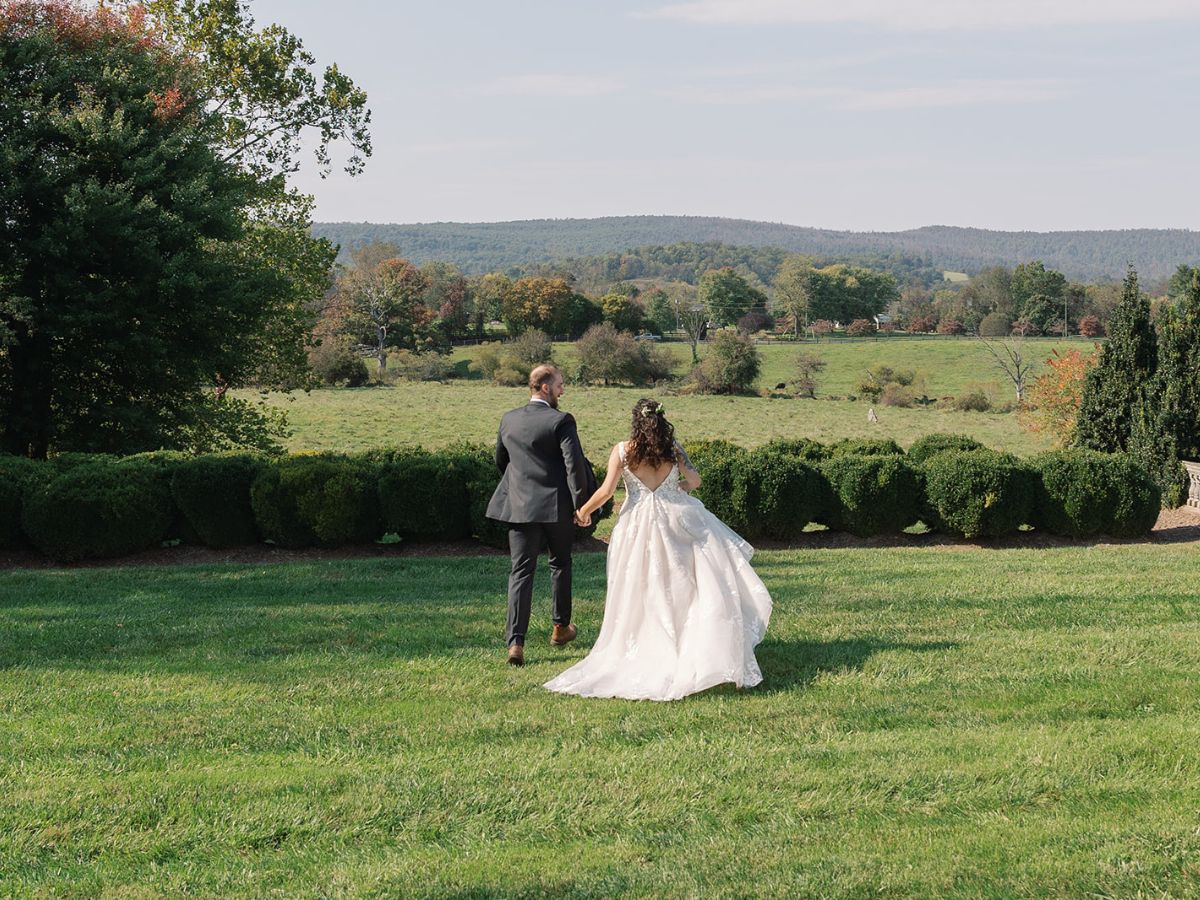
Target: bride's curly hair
pixel 652 438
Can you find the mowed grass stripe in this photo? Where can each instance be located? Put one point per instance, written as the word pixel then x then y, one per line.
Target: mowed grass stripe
pixel 963 722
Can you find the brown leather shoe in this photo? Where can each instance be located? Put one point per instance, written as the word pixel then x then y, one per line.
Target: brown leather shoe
pixel 561 635
pixel 516 655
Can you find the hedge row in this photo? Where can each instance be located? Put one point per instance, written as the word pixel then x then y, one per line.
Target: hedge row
pixel 76 507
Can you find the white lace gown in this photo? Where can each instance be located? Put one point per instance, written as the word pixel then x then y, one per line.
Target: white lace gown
pixel 684 609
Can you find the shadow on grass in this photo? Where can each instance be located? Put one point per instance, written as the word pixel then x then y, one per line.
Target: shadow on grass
pixel 788 665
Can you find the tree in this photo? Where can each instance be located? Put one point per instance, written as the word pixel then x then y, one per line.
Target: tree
pixel 793 287
pixel 1167 427
pixel 1114 387
pixel 536 302
pixel 611 356
pixel 622 311
pixel 730 366
pixel 1180 282
pixel 995 324
pixel 1089 326
pixel 660 314
pixel 693 319
pixel 861 328
pixel 1009 357
pixel 728 296
pixel 1053 400
pixel 149 245
pixel 809 367
pixel 448 296
pixel 489 292
pixel 384 307
pixel 844 293
pixel 1033 279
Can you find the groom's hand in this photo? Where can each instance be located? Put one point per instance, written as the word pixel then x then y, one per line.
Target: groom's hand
pixel 583 521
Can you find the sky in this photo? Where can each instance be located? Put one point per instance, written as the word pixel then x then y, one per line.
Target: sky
pixel 866 115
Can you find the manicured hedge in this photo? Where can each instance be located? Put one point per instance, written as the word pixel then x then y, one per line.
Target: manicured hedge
pixel 98 510
pixel 865 447
pixel 81 506
pixel 718 463
pixel 875 494
pixel 1084 493
pixel 979 493
pixel 213 495
pixel 18 476
pixel 776 495
pixel 327 499
pixel 932 444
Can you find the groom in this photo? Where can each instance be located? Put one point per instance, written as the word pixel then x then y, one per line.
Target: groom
pixel 544 479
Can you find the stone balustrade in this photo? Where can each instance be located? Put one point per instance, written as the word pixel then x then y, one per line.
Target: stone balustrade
pixel 1193 470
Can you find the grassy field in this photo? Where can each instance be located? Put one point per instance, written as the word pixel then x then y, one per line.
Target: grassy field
pixel 933 722
pixel 437 414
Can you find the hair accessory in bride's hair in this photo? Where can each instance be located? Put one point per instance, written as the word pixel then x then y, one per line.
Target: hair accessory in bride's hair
pixel 649 410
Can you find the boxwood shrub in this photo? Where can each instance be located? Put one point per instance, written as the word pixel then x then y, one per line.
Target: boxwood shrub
pixel 718 463
pixel 18 476
pixel 979 493
pixel 801 448
pixel 776 495
pixel 326 498
pixel 98 510
pixel 1084 493
pixel 932 444
pixel 874 494
pixel 213 495
pixel 865 447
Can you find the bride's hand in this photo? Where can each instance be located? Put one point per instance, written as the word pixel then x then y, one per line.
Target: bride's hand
pixel 583 521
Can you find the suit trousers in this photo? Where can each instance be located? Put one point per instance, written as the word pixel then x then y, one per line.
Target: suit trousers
pixel 525 542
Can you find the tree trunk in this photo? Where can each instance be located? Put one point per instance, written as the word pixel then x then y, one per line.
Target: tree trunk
pixel 381 354
pixel 27 432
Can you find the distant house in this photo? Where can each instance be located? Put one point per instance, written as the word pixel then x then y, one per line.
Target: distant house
pixel 882 319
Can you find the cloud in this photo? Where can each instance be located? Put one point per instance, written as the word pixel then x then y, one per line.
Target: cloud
pixel 549 85
pixel 928 15
pixel 962 93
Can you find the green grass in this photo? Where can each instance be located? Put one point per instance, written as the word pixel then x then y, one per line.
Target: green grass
pixel 933 722
pixel 437 414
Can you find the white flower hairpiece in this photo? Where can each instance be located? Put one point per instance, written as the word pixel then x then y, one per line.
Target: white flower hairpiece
pixel 651 410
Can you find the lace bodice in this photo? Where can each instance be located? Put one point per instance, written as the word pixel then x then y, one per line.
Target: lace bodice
pixel 635 490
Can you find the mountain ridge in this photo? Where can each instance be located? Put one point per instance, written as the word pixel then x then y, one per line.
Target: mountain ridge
pixel 491 246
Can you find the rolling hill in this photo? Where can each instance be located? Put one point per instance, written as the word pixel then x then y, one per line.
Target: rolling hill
pixel 491 246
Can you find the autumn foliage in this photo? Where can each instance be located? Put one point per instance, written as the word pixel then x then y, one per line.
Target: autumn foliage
pixel 1051 405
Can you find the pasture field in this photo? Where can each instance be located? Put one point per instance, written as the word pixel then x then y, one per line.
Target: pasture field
pixel 934 722
pixel 437 414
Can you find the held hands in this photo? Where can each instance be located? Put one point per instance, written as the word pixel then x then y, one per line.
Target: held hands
pixel 582 519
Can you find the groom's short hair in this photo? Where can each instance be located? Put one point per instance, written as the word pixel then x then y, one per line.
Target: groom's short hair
pixel 541 375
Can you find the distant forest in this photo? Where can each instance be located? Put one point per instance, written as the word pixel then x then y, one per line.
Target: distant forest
pixel 912 255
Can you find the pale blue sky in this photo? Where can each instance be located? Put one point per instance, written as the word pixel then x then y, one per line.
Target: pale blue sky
pixel 854 114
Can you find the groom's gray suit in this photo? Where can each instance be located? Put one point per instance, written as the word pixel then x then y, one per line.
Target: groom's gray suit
pixel 544 479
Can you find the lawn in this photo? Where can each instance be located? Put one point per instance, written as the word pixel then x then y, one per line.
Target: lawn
pixel 438 414
pixel 933 722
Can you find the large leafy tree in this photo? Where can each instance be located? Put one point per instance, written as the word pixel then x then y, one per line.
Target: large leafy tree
pixel 728 296
pixel 1115 386
pixel 793 291
pixel 844 293
pixel 151 254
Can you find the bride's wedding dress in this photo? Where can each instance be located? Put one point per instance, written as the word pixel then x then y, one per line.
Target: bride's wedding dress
pixel 684 609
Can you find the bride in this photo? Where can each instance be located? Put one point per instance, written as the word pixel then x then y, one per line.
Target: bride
pixel 684 608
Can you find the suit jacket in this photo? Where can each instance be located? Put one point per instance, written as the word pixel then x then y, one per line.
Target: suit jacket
pixel 544 475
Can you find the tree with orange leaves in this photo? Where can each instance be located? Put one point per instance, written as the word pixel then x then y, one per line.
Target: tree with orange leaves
pixel 1051 404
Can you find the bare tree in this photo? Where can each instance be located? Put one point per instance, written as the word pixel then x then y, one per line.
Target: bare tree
pixel 693 319
pixel 1009 357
